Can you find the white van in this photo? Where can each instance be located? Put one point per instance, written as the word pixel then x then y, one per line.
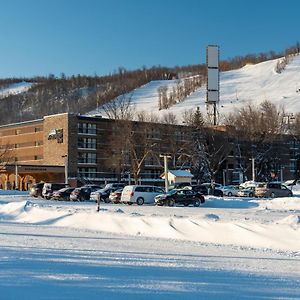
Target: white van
pixel 140 194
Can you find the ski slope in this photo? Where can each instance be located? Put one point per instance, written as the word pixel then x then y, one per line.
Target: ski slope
pixel 15 88
pixel 250 85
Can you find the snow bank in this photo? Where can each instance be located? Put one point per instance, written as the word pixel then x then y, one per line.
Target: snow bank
pixel 208 228
pixel 286 203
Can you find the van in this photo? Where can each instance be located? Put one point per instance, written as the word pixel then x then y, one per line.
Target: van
pixel 49 188
pixel 272 190
pixel 140 194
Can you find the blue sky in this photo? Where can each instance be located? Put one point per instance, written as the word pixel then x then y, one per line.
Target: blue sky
pixel 39 37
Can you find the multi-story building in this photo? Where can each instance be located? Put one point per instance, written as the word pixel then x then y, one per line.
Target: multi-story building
pixel 89 149
pixel 94 149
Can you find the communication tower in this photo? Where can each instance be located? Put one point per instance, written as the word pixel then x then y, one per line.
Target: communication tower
pixel 213 83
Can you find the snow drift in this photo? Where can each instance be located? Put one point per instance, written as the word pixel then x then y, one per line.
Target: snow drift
pixel 189 224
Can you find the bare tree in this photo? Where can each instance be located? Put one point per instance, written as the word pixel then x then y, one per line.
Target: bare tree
pixel 120 108
pixel 169 118
pixel 6 155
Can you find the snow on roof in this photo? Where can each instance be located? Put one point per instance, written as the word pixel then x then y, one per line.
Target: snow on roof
pixel 181 173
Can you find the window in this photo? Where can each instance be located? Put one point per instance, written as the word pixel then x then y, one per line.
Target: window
pixel 87 143
pixel 87 172
pixel 87 128
pixel 87 158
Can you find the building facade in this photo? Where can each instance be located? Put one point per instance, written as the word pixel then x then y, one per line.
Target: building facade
pixel 97 150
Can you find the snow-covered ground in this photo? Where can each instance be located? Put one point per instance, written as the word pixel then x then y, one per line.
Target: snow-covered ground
pixel 228 248
pixel 250 85
pixel 15 88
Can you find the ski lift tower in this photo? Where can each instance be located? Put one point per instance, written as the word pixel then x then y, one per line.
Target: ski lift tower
pixel 213 85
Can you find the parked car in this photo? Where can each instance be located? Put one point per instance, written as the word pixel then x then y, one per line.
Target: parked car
pixel 247 192
pixel 293 184
pixel 50 188
pixel 205 189
pixel 179 185
pixel 272 189
pixel 180 196
pixel 83 193
pixel 36 190
pixel 230 190
pixel 115 197
pixel 140 194
pixel 103 193
pixel 63 194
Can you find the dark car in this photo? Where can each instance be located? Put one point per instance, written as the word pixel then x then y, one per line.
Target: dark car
pixel 206 189
pixel 103 194
pixel 115 197
pixel 182 196
pixel 36 189
pixel 63 194
pixel 83 193
pixel 50 188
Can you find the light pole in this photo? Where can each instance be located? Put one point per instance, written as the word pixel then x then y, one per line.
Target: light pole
pixel 166 170
pixel 66 169
pixel 16 180
pixel 253 168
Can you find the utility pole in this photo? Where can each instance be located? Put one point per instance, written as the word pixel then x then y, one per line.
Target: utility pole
pixel 16 175
pixel 66 168
pixel 253 168
pixel 166 170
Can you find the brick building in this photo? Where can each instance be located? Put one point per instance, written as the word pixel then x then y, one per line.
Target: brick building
pixel 94 149
pixel 89 147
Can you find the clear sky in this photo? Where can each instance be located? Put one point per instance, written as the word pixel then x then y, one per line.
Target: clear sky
pixel 39 37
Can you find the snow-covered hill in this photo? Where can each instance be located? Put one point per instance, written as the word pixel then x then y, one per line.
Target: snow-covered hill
pixel 251 84
pixel 14 89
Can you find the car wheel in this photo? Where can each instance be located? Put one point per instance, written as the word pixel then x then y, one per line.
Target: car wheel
pixel 250 194
pixel 171 202
pixel 290 195
pixel 229 194
pixel 197 203
pixel 272 195
pixel 140 201
pixel 106 200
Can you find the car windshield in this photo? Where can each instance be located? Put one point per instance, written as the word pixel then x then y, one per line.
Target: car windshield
pixel 172 192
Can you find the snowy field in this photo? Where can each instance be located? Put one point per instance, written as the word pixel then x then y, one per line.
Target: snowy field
pixel 229 248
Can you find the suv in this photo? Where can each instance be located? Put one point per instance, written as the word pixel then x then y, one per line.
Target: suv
pixel 83 193
pixel 103 194
pixel 63 194
pixel 36 190
pixel 49 188
pixel 272 189
pixel 182 196
pixel 140 194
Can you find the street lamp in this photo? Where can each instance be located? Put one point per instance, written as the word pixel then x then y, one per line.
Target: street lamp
pixel 166 170
pixel 66 169
pixel 253 168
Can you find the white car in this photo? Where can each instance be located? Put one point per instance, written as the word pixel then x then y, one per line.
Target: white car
pixel 230 190
pixel 247 192
pixel 140 194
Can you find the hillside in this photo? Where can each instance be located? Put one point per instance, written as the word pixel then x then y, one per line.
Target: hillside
pixel 249 85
